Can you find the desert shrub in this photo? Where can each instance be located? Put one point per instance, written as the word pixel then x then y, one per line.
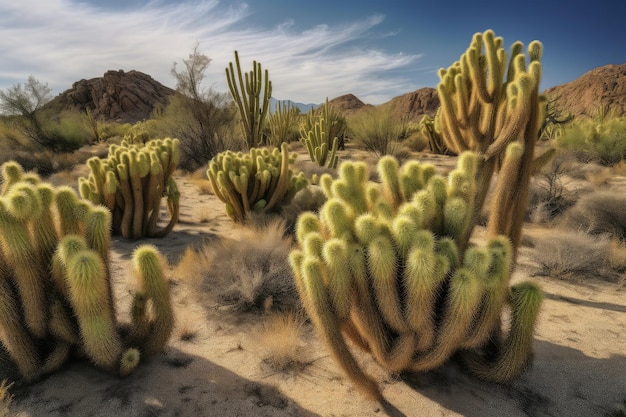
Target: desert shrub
pixel 571 255
pixel 205 127
pixel 599 212
pixel 250 273
pixel 549 194
pixel 376 130
pixel 603 141
pixel 281 343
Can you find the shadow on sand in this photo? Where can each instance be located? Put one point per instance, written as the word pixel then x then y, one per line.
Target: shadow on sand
pixel 172 384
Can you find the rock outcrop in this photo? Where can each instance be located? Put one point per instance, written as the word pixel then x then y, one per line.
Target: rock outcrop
pixel 413 106
pixel 603 86
pixel 117 96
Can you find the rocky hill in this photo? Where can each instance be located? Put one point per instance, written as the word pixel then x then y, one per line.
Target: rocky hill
pixel 348 104
pixel 602 86
pixel 117 96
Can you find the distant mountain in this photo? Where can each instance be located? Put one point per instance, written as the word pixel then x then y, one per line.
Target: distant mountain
pixel 413 106
pixel 304 108
pixel 602 86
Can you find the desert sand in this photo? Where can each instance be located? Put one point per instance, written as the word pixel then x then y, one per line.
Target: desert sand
pixel 579 367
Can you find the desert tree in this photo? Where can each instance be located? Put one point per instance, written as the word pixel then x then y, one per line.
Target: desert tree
pixel 27 101
pixel 200 117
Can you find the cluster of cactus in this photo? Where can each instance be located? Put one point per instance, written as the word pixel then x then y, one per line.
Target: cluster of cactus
pixel 392 267
pixel 251 92
pixel 382 264
pixel 320 134
pixel 56 295
pixel 258 181
pixel 131 182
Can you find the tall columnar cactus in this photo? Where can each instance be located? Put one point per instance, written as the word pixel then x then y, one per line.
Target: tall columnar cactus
pixel 488 102
pixel 320 134
pixel 383 264
pixel 131 183
pixel 258 181
pixel 252 92
pixel 56 295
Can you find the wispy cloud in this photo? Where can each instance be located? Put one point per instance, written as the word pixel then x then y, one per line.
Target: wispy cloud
pixel 62 41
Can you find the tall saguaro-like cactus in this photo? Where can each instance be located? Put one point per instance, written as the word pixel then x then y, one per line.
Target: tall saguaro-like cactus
pixel 251 92
pixel 489 100
pixel 390 265
pixel 56 293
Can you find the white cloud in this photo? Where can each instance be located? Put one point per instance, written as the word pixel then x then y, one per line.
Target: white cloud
pixel 62 41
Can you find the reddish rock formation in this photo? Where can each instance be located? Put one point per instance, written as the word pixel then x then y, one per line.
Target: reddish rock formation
pixel 118 96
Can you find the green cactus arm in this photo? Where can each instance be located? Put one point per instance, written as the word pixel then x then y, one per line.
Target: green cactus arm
pixel 149 267
pixel 91 300
pixel 13 336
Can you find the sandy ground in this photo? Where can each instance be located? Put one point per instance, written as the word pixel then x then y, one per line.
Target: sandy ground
pixel 579 367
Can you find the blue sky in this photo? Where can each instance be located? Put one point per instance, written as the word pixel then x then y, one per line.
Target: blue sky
pixel 313 49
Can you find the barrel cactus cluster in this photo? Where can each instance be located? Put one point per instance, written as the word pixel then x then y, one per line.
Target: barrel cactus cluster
pixel 56 293
pixel 131 183
pixel 383 265
pixel 257 181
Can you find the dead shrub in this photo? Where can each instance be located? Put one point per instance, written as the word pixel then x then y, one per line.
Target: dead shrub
pixel 250 273
pixel 599 212
pixel 280 340
pixel 571 255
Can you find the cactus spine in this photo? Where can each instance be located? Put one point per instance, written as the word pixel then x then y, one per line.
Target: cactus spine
pixel 387 270
pixel 258 181
pixel 55 284
pixel 252 97
pixel 131 183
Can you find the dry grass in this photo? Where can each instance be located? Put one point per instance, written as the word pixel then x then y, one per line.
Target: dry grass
pixel 599 212
pixel 280 340
pixel 569 255
pixel 250 273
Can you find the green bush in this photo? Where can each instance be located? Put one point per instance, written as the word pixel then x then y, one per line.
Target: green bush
pixel 602 141
pixel 376 130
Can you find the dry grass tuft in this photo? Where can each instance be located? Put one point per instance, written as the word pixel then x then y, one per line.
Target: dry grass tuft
pixel 570 255
pixel 599 212
pixel 280 340
pixel 250 273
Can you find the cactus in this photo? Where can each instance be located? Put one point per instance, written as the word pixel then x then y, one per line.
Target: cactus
pixel 320 134
pixel 253 104
pixel 56 295
pixel 131 183
pixel 487 103
pixel 385 265
pixel 259 181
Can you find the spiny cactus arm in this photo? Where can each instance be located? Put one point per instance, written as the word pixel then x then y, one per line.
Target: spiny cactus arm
pixel 488 319
pixel 13 336
pixel 152 194
pixel 137 169
pixel 149 267
pixel 128 202
pixel 461 304
pixel 92 303
pixel 516 350
pixel 20 254
pixel 12 173
pixel 129 361
pixel 320 310
pixel 173 208
pixel 59 355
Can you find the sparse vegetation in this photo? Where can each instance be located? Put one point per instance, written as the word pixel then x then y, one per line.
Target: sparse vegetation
pixel 281 341
pixel 600 139
pixel 572 255
pixel 5 398
pixel 250 273
pixel 601 212
pixel 376 130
